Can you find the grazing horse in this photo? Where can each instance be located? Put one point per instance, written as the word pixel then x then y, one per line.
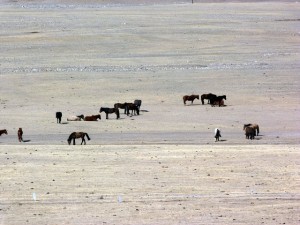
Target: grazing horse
pixel 219 103
pixel 217 100
pixel 217 134
pixel 208 97
pixel 109 111
pixel 92 118
pixel 254 126
pixel 75 135
pixel 75 118
pixel 20 134
pixel 3 132
pixel 249 132
pixel 190 98
pixel 138 103
pixel 121 106
pixel 133 107
pixel 58 117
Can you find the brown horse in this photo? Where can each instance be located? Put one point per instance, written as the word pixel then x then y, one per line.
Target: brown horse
pixel 3 132
pixel 254 126
pixel 249 132
pixel 208 97
pixel 92 118
pixel 190 98
pixel 75 135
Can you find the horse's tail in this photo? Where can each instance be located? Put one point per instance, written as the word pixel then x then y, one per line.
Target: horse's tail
pixel 88 137
pixel 257 129
pixel 184 99
pixel 118 113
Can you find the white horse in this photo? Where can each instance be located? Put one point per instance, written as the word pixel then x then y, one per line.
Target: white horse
pixel 217 134
pixel 75 118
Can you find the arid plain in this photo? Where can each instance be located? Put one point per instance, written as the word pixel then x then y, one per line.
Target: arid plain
pixel 162 166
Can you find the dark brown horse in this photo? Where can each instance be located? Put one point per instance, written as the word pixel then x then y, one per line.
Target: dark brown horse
pixel 20 134
pixel 249 132
pixel 254 126
pixel 3 132
pixel 75 135
pixel 208 97
pixel 92 118
pixel 121 106
pixel 109 111
pixel 217 100
pixel 190 98
pixel 133 107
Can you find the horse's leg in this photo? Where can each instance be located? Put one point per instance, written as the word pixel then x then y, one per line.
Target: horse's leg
pixel 73 141
pixel 106 115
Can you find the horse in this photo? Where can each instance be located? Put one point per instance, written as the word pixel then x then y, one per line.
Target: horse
pixel 190 98
pixel 133 107
pixel 121 106
pixel 208 97
pixel 75 118
pixel 218 99
pixel 217 134
pixel 20 134
pixel 3 132
pixel 92 118
pixel 254 126
pixel 58 117
pixel 249 132
pixel 75 135
pixel 219 103
pixel 138 103
pixel 109 111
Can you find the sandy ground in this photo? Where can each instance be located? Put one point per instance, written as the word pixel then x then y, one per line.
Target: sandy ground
pixel 149 184
pixel 76 58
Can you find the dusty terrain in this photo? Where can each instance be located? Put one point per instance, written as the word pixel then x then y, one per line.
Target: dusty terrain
pixel 163 166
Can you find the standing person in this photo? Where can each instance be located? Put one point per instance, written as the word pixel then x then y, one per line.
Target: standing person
pixel 20 134
pixel 217 134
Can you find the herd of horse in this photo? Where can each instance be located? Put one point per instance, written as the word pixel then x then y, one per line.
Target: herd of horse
pixel 213 99
pixel 133 108
pixel 251 130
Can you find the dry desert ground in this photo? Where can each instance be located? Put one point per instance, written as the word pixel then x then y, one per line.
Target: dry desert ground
pixel 162 166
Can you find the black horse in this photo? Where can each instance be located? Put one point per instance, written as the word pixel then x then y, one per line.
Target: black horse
pixel 3 132
pixel 58 117
pixel 109 111
pixel 138 103
pixel 217 100
pixel 133 107
pixel 75 135
pixel 208 97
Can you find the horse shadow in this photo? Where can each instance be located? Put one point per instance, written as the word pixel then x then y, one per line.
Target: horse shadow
pixel 26 140
pixel 65 123
pixel 195 104
pixel 143 110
